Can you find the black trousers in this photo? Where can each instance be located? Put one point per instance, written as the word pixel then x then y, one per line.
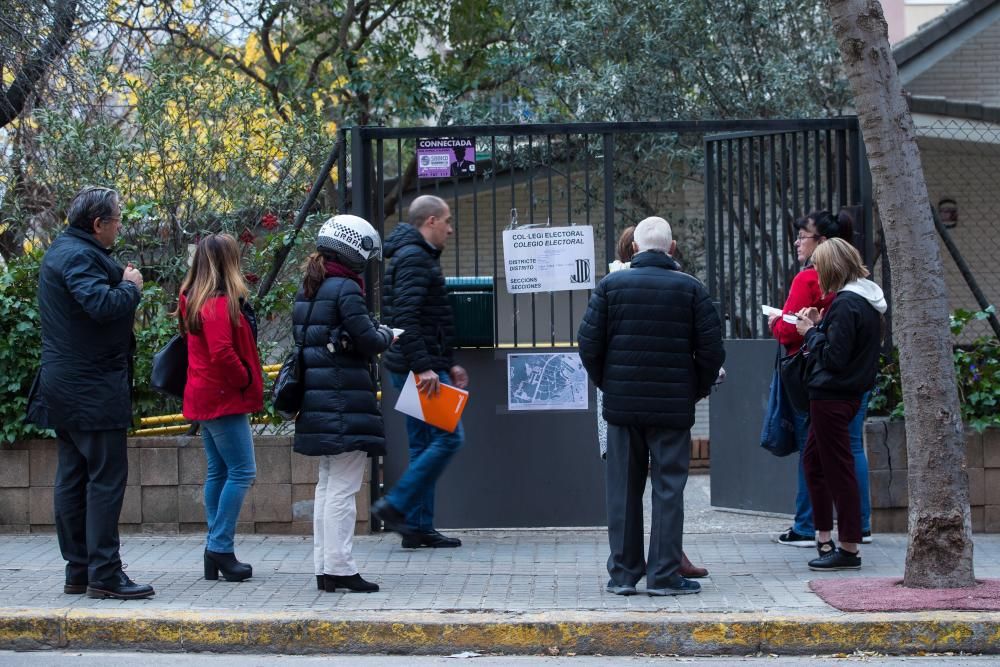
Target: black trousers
pixel 630 450
pixel 90 487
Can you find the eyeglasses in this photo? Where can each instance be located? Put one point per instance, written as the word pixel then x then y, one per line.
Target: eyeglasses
pixel 814 237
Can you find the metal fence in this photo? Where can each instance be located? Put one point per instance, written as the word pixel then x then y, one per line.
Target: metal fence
pixel 610 175
pixel 961 161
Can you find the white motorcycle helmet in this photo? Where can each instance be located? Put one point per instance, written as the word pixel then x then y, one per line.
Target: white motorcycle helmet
pixel 352 238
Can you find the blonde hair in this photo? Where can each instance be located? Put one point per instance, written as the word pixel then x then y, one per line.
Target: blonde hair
pixel 837 262
pixel 215 271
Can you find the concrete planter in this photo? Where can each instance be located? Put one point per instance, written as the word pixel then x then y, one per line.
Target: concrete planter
pixel 885 444
pixel 164 492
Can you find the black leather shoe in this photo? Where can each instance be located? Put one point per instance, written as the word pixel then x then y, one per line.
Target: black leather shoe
pixel 352 583
pixel 432 539
pixel 76 587
pixel 231 569
pixel 119 587
pixel 391 518
pixel 319 583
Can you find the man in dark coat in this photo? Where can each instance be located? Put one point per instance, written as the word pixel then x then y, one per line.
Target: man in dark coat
pixel 87 303
pixel 652 342
pixel 415 301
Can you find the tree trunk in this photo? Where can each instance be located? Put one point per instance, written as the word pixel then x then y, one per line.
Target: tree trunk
pixel 940 549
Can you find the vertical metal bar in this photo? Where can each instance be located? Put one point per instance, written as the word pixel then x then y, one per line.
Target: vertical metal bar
pixel 806 198
pixel 710 187
pixel 399 180
pixel 796 212
pixel 378 268
pixel 531 221
pixel 513 205
pixel 780 297
pixel 475 212
pixel 829 172
pixel 342 172
pixel 842 169
pixel 586 192
pixel 817 168
pixel 456 224
pixel 752 236
pixel 569 217
pixel 723 213
pixel 609 197
pixel 773 296
pixel 741 158
pixel 496 287
pixel 733 333
pixel 552 295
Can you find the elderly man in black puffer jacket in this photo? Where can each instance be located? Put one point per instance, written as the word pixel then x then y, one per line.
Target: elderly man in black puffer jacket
pixel 415 300
pixel 652 342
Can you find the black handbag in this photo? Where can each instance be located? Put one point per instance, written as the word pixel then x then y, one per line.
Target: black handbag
pixel 289 385
pixel 794 370
pixel 169 375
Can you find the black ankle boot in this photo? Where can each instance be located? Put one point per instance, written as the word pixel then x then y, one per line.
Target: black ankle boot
pixel 320 586
pixel 352 583
pixel 231 569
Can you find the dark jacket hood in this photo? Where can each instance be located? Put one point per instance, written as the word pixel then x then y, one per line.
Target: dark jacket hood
pixel 403 235
pixel 654 258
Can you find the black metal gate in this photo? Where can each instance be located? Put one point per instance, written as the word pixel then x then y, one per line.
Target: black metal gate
pixel 756 185
pixel 757 179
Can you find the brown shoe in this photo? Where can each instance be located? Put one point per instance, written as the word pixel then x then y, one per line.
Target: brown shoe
pixel 689 571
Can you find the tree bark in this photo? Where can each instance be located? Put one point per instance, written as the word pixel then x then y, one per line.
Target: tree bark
pixel 940 547
pixel 25 84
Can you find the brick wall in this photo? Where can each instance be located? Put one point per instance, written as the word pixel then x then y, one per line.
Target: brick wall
pixel 164 491
pixel 968 73
pixel 885 444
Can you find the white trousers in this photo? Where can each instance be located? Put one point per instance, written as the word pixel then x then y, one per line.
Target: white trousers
pixel 334 512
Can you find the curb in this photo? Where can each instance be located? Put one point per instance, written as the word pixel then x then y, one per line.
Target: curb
pixel 434 633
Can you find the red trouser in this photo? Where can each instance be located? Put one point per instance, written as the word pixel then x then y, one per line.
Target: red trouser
pixel 829 468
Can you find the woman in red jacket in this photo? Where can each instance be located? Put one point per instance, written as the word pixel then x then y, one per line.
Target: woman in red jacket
pixel 224 385
pixel 806 292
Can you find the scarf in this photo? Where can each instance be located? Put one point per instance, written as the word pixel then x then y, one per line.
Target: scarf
pixel 335 269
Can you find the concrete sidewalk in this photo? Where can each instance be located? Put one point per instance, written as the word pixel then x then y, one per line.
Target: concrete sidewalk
pixel 503 591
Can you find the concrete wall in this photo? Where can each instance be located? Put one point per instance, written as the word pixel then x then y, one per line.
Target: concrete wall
pixel 885 444
pixel 164 492
pixel 969 73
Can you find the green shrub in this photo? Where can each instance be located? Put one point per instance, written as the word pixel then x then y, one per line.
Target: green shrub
pixel 20 346
pixel 977 371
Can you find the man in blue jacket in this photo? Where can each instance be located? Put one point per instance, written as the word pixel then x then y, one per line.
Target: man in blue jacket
pixel 652 342
pixel 87 304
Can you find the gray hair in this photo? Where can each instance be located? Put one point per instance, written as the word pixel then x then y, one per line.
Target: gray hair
pixel 90 203
pixel 424 207
pixel 653 233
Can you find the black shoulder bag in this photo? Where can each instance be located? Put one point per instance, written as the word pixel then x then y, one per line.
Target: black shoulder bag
pixel 289 385
pixel 170 364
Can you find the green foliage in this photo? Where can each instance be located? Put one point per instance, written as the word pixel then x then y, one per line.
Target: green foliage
pixel 977 371
pixel 20 346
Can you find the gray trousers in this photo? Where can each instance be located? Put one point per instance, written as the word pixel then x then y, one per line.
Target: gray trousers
pixel 630 449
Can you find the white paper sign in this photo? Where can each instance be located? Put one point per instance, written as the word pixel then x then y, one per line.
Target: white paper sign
pixel 549 259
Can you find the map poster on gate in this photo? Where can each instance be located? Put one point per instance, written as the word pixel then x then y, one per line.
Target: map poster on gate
pixel 546 381
pixel 444 157
pixel 549 259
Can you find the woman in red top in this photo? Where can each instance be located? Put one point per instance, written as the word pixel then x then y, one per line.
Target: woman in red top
pixel 224 385
pixel 805 292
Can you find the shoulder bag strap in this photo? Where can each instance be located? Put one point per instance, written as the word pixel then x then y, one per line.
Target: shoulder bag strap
pixel 305 328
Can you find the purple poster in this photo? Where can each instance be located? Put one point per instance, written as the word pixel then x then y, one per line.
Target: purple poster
pixel 441 158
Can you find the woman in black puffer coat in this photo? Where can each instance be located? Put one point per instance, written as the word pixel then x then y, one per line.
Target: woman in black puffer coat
pixel 340 419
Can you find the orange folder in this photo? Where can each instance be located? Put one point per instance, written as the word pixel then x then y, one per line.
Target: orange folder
pixel 442 410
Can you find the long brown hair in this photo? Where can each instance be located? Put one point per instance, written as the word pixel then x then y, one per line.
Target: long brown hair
pixel 315 270
pixel 215 271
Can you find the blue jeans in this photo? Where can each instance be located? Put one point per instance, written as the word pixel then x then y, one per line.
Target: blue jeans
pixel 230 471
pixel 803 524
pixel 430 450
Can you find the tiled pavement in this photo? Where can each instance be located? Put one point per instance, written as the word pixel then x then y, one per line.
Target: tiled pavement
pixel 509 570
